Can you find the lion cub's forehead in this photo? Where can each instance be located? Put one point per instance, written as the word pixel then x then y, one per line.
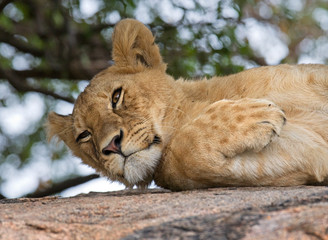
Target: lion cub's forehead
pixel 97 94
pixel 90 98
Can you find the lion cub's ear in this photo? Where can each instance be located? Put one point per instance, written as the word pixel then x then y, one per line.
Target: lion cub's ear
pixel 134 48
pixel 62 127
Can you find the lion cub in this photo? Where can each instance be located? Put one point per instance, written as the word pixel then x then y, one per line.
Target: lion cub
pixel 266 126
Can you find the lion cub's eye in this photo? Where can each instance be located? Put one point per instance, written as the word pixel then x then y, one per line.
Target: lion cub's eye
pixel 116 96
pixel 84 136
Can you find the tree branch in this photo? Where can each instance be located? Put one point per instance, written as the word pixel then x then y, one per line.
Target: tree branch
pixel 41 73
pixel 258 60
pixel 8 38
pixel 71 72
pixel 22 86
pixel 4 3
pixel 59 187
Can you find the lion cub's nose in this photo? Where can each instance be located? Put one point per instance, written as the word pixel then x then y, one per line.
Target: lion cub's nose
pixel 114 146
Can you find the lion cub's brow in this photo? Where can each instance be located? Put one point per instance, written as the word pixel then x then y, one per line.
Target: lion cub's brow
pixel 102 95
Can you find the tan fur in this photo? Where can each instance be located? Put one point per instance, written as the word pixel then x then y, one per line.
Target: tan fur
pixel 226 131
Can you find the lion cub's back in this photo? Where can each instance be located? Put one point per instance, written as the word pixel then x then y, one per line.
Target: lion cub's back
pixel 302 86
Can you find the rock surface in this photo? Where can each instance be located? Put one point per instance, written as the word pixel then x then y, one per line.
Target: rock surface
pixel 221 213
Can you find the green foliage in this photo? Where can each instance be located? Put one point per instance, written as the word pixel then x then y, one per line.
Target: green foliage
pixel 53 47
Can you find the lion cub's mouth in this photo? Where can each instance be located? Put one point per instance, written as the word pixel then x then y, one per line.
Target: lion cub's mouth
pixel 156 140
pixel 137 166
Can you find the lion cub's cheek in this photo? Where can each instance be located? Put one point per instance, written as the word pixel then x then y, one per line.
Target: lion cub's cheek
pixel 141 166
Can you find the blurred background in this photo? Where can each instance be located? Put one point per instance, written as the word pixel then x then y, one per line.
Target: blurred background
pixel 50 49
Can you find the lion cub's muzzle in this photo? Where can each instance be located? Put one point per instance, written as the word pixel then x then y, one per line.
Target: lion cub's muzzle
pixel 114 145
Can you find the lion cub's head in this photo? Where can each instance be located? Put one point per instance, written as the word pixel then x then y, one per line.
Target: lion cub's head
pixel 116 123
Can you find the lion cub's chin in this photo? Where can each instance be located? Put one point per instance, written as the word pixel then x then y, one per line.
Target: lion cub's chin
pixel 138 169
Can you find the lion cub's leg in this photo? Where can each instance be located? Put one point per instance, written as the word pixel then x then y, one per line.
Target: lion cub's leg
pixel 239 126
pixel 203 148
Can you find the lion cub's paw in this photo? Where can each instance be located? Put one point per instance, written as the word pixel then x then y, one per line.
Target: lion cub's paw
pixel 263 120
pixel 239 126
pixel 245 124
